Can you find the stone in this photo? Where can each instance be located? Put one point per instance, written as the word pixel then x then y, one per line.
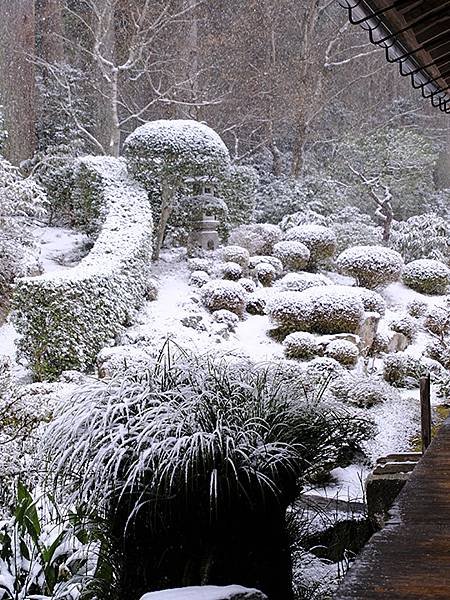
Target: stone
pixel 207 592
pixel 398 342
pixel 194 322
pixel 367 331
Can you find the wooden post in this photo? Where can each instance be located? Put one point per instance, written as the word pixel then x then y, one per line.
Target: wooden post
pixel 425 409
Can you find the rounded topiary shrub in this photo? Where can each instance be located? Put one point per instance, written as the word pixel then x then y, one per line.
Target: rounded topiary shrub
pixel 405 325
pixel 236 254
pixel 380 344
pixel 228 295
pixel 371 266
pixel 371 300
pixel 228 318
pixel 298 282
pixel 271 260
pixel 417 308
pixel 256 304
pixel 301 345
pixel 427 276
pixel 257 238
pixel 294 255
pixel 440 351
pixel 265 274
pixel 345 352
pixel 363 392
pixel 437 320
pixel 403 370
pixel 200 264
pixel 231 271
pixel 330 309
pixel 199 278
pixel 320 371
pixel 320 240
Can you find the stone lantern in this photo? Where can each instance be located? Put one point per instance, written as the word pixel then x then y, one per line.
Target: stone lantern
pixel 205 210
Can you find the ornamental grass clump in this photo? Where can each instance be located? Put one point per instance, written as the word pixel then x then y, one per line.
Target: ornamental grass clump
pixel 194 465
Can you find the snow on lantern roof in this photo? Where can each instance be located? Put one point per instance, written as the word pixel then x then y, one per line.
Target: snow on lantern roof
pixel 415 34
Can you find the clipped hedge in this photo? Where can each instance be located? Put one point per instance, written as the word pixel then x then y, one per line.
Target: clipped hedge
pixel 66 318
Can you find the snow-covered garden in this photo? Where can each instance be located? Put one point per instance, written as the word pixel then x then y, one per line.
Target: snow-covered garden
pixel 175 413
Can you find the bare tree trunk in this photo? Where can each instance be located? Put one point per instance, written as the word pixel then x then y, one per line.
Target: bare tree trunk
pixel 17 80
pixel 442 175
pixel 50 30
pixel 166 211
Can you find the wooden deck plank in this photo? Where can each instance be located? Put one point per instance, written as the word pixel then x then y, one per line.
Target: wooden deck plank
pixel 409 559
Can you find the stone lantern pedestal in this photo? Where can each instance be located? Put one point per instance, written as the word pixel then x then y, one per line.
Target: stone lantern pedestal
pixel 205 234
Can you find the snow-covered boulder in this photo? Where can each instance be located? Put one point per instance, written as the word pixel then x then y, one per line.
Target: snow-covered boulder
pixel 65 319
pixel 427 276
pixel 207 592
pixel 294 255
pixel 320 240
pixel 371 266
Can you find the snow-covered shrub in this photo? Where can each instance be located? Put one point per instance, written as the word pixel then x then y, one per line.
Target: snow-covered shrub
pixel 236 254
pixel 152 290
pixel 258 238
pixel 294 255
pixel 122 359
pixel 231 271
pixel 320 240
pixel 230 319
pixel 66 318
pixel 371 300
pixel 439 350
pixel 301 345
pixel 321 371
pixel 256 304
pixel 380 344
pixel 405 325
pixel 248 284
pixel 200 264
pixel 21 201
pixel 228 295
pixel 354 228
pixel 297 282
pixel 371 266
pixel 345 352
pixel 403 370
pixel 271 260
pixel 329 309
pixel 199 278
pixel 437 320
pixel 238 189
pixel 164 155
pixel 417 308
pixel 422 236
pixel 427 276
pixel 265 273
pixel 363 391
pixel 302 217
pixel 200 445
